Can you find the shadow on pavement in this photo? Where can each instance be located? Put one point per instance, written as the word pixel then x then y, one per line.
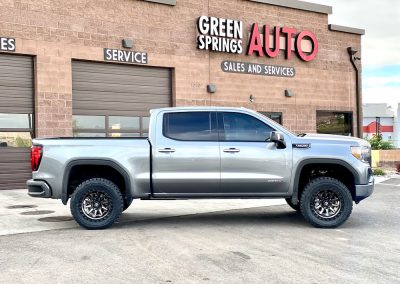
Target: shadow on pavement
pixel 253 216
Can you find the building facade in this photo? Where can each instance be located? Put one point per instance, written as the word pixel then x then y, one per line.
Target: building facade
pixel 384 120
pixel 378 119
pixel 96 68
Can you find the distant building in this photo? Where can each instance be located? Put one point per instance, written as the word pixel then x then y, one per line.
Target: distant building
pixel 379 119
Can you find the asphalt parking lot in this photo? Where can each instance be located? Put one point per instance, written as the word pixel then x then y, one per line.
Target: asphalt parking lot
pixel 217 243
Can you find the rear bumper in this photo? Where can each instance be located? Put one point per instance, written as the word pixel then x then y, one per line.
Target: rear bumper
pixel 38 188
pixel 364 190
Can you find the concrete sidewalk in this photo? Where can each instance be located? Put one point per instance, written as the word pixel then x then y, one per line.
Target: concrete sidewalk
pixel 20 213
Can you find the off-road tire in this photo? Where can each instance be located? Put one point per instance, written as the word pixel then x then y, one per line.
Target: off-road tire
pixel 307 202
pixel 295 207
pixel 97 186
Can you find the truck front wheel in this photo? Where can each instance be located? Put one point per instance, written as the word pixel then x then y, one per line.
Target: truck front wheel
pixel 326 202
pixel 96 203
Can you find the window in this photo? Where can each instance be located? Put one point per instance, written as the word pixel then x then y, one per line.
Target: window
pixel 16 130
pixel 340 123
pixel 109 126
pixel 243 127
pixel 189 126
pixel 275 116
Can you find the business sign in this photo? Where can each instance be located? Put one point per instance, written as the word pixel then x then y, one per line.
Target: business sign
pixel 125 56
pixel 7 44
pixel 257 69
pixel 225 35
pixel 264 47
pixel 218 34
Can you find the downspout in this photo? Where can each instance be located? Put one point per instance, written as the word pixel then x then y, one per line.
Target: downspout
pixel 352 52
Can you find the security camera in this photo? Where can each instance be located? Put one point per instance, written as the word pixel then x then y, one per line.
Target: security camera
pixel 352 50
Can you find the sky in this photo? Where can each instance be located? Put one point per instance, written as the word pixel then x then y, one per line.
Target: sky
pixel 380 44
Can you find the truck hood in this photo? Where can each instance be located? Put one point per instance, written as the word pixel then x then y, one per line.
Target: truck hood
pixel 332 139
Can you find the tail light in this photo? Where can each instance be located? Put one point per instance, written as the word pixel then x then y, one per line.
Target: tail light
pixel 36 157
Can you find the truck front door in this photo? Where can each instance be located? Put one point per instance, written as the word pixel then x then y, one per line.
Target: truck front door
pixel 250 165
pixel 186 158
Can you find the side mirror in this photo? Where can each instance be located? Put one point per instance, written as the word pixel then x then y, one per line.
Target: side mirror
pixel 278 138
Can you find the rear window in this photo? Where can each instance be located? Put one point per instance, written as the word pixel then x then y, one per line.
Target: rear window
pixel 189 126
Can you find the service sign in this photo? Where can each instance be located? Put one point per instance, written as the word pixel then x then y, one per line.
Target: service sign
pixel 257 69
pixel 7 44
pixel 125 56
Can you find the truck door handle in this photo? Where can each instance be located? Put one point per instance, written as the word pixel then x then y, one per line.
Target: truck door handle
pixel 166 150
pixel 232 150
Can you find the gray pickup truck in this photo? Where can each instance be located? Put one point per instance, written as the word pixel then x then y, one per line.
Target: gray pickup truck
pixel 207 152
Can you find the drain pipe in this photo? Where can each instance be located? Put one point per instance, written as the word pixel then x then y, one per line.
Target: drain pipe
pixel 352 53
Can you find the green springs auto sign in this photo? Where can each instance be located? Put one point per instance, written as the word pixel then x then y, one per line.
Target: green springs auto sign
pixel 225 35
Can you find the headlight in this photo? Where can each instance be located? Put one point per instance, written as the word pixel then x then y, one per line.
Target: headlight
pixel 362 153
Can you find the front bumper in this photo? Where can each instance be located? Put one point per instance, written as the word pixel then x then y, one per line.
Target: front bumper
pixel 364 190
pixel 38 188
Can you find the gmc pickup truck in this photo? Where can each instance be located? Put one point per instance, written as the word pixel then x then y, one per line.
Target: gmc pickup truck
pixel 208 152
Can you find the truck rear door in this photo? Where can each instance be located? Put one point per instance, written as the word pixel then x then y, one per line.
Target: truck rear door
pixel 186 156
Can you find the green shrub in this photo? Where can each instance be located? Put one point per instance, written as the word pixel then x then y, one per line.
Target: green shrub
pixel 378 144
pixel 378 172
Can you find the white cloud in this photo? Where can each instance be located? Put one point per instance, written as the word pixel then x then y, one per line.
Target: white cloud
pixel 382 94
pixel 380 19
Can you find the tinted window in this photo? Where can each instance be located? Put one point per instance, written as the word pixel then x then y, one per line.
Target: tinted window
pixel 340 123
pixel 15 130
pixel 122 122
pixel 15 121
pixel 275 116
pixel 193 126
pixel 109 126
pixel 243 127
pixel 88 122
pixel 15 139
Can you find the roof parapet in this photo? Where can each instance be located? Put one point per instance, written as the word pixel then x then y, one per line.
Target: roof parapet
pixel 300 5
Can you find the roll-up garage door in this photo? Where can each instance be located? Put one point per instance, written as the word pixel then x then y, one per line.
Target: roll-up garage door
pixel 16 119
pixel 115 99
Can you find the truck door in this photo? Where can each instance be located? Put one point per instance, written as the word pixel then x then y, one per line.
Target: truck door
pixel 249 164
pixel 186 158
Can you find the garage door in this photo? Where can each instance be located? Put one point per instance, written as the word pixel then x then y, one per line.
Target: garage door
pixel 16 120
pixel 115 99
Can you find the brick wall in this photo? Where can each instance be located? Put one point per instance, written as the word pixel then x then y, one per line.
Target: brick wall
pixel 57 31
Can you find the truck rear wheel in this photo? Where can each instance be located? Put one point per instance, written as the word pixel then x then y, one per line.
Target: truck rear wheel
pixel 96 204
pixel 326 202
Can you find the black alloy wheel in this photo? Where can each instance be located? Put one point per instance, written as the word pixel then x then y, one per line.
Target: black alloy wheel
pixel 96 203
pixel 326 202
